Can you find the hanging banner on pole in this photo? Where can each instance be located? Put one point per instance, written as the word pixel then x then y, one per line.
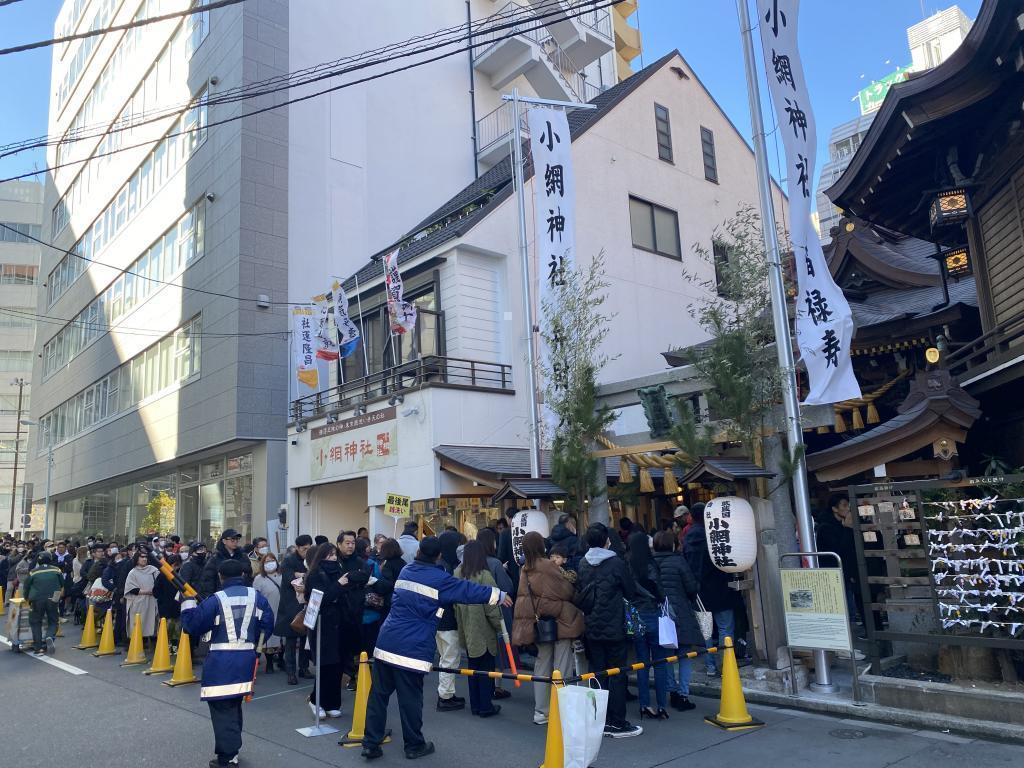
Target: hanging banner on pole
pixel 303 345
pixel 401 313
pixel 326 346
pixel 824 323
pixel 554 227
pixel 348 332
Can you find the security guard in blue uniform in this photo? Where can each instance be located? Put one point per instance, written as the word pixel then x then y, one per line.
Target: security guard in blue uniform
pixel 405 648
pixel 235 617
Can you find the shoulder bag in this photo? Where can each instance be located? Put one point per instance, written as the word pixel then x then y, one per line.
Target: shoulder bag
pixel 705 619
pixel 545 629
pixel 297 625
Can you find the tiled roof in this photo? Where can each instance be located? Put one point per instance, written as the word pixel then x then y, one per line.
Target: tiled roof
pixel 493 186
pixel 725 468
pixel 896 304
pixel 528 489
pixel 506 463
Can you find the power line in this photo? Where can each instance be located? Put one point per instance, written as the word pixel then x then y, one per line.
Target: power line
pixel 306 76
pixel 588 5
pixel 8 2
pixel 119 27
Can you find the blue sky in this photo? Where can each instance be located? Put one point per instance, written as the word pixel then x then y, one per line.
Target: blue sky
pixel 844 47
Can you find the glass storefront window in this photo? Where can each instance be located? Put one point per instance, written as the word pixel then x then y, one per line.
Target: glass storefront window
pixel 188 513
pixel 212 469
pixel 240 463
pixel 189 473
pixel 211 512
pixel 238 504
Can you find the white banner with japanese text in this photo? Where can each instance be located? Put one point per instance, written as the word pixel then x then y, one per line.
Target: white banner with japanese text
pixel 304 347
pixel 554 196
pixel 348 332
pixel 824 323
pixel 352 446
pixel 326 346
pixel 401 313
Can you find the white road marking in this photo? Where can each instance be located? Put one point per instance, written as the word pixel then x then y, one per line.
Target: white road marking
pixel 49 660
pixel 290 690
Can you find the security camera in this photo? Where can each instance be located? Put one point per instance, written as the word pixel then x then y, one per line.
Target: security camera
pixel 210 196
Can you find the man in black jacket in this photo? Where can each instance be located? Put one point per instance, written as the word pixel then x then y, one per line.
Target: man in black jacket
pixel 228 548
pixel 834 534
pixel 604 582
pixel 353 602
pixel 293 565
pixel 193 560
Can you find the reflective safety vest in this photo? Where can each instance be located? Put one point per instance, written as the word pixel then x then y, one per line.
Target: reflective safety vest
pixel 235 617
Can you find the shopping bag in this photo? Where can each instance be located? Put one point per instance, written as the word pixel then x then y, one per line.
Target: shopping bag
pixel 582 711
pixel 705 620
pixel 667 635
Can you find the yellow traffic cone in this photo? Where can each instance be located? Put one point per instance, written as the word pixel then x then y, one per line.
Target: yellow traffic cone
pixel 60 629
pixel 354 737
pixel 136 651
pixel 553 752
pixel 107 647
pixel 732 708
pixel 2 606
pixel 183 674
pixel 162 652
pixel 89 630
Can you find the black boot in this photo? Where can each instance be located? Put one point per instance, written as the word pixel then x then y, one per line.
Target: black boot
pixel 270 664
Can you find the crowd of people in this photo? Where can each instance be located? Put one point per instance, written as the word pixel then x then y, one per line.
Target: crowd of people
pixel 575 601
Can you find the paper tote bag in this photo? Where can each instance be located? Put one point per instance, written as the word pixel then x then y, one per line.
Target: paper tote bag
pixel 667 635
pixel 705 620
pixel 582 711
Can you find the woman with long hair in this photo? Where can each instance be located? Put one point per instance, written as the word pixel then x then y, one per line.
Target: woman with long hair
pixel 489 539
pixel 268 584
pixel 325 575
pixel 478 631
pixel 680 587
pixel 647 602
pixel 545 593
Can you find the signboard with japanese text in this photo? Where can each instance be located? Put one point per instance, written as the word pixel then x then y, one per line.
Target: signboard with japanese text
pixel 871 98
pixel 355 445
pixel 524 522
pixel 401 313
pixel 397 505
pixel 304 347
pixel 824 323
pixel 313 609
pixel 814 602
pixel 554 227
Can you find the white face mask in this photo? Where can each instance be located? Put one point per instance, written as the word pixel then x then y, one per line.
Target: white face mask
pixel 114 550
pixel 184 556
pixel 270 567
pixel 264 550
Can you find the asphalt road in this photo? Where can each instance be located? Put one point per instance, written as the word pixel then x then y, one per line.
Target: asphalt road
pixel 94 714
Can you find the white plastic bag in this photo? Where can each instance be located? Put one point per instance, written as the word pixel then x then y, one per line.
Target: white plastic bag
pixel 582 711
pixel 667 635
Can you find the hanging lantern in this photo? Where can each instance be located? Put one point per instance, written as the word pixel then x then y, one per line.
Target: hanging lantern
pixel 950 206
pixel 957 261
pixel 522 523
pixel 731 533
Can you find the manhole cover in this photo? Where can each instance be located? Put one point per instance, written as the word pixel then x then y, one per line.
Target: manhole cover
pixel 847 733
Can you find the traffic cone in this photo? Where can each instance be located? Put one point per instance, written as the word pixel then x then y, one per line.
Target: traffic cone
pixel 2 606
pixel 354 737
pixel 107 647
pixel 183 674
pixel 553 752
pixel 732 708
pixel 89 630
pixel 162 652
pixel 136 651
pixel 60 629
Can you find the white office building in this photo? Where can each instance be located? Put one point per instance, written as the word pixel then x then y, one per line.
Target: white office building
pixel 21 216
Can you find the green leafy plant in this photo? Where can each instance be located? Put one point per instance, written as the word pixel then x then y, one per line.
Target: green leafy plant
pixel 575 327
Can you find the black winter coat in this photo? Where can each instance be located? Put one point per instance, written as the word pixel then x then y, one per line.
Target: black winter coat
pixel 209 581
pixel 680 587
pixel 330 617
pixel 612 582
pixel 832 536
pixel 559 535
pixel 167 605
pixel 714 584
pixel 191 571
pixel 385 586
pixel 289 605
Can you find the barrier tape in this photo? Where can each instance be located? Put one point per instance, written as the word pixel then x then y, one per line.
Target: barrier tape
pixel 495 675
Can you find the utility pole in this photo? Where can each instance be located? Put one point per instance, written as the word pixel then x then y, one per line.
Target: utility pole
pixel 20 384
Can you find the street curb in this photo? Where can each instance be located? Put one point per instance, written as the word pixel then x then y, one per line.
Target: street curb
pixel 872 712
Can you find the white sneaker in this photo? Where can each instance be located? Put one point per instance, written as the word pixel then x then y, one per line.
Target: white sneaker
pixel 313 708
pixel 540 719
pixel 334 713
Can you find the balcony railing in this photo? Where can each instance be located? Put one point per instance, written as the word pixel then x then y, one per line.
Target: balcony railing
pixel 496 126
pixel 599 21
pixel 429 371
pixel 991 350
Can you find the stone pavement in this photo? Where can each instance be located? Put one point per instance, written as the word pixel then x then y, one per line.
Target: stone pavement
pixel 92 713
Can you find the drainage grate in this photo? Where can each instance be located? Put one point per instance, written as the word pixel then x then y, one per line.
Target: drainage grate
pixel 847 733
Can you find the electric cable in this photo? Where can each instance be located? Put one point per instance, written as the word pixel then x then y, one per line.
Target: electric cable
pixel 302 77
pixel 120 27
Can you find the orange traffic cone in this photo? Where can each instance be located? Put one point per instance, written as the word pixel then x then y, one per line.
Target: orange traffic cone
pixel 136 650
pixel 183 674
pixel 553 749
pixel 89 639
pixel 162 652
pixel 732 708
pixel 107 647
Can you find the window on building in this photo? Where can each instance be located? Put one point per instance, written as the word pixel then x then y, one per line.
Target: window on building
pixel 15 360
pixel 707 146
pixel 16 232
pixel 654 228
pixel 663 129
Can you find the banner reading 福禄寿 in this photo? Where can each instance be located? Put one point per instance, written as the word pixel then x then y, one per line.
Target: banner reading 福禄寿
pixel 824 323
pixel 555 226
pixel 401 313
pixel 348 331
pixel 303 346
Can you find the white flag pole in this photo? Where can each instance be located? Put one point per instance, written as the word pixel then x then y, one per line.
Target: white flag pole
pixel 362 326
pixel 780 318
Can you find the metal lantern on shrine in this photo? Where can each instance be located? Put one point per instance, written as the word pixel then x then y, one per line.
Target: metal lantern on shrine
pixel 731 533
pixel 522 523
pixel 957 262
pixel 951 206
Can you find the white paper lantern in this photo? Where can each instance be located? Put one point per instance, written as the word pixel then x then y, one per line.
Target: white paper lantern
pixel 731 533
pixel 524 522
